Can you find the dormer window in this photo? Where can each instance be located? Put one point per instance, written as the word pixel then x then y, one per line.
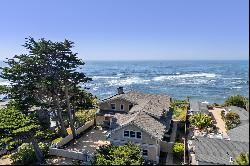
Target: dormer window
pixel 122 107
pixel 113 106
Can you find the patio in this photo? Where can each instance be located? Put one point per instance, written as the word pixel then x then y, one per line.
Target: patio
pixel 89 141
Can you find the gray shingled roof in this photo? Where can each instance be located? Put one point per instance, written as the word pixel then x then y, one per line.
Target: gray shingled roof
pixel 153 126
pixel 240 133
pixel 147 113
pixel 197 106
pixel 244 115
pixel 218 151
pixel 154 104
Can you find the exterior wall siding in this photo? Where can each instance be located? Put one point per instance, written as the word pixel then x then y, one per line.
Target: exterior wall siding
pixel 147 142
pixel 117 102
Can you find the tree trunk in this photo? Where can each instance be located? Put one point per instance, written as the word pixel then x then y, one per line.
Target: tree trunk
pixel 71 121
pixel 38 151
pixel 61 121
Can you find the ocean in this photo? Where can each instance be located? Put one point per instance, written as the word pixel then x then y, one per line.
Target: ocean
pixel 211 81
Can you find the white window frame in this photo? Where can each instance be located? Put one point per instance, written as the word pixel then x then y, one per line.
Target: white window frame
pixel 111 106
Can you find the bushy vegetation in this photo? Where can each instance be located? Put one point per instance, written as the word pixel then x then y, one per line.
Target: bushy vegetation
pixel 201 121
pixel 129 154
pixel 180 109
pixel 26 154
pixel 178 147
pixel 237 100
pixel 45 84
pixel 231 119
pixel 242 159
pixel 83 116
pixel 55 141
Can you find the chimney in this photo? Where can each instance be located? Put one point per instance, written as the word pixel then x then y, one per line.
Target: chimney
pixel 120 90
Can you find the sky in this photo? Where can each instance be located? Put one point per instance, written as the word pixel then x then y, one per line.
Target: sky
pixel 131 29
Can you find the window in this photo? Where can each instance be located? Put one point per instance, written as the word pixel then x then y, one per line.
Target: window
pixel 113 106
pixel 132 134
pixel 126 133
pixel 121 106
pixel 145 152
pixel 138 134
pixel 106 118
pixel 130 106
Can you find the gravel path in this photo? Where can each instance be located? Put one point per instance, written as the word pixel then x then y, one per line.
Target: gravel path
pixel 219 122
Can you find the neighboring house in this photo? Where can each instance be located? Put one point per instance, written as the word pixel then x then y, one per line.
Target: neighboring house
pixel 212 151
pixel 143 119
pixel 244 115
pixel 198 107
pixel 240 133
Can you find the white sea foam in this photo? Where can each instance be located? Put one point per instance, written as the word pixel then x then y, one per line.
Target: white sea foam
pixel 172 77
pixel 104 77
pixel 236 87
pixel 127 81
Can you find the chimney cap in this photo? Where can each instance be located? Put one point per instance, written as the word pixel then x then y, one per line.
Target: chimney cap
pixel 120 90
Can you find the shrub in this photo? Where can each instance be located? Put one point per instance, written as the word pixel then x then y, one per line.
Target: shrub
pixel 178 147
pixel 83 116
pixel 232 119
pixel 25 153
pixel 201 121
pixel 242 159
pixel 237 100
pixel 55 141
pixel 129 154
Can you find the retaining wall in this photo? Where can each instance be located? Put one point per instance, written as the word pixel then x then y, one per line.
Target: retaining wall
pixel 69 153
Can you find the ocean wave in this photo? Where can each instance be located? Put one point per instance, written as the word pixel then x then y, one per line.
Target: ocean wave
pixel 236 87
pixel 104 77
pixel 172 77
pixel 127 81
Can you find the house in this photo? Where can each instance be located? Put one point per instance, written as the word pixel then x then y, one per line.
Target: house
pixel 240 133
pixel 213 151
pixel 198 107
pixel 143 119
pixel 244 115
